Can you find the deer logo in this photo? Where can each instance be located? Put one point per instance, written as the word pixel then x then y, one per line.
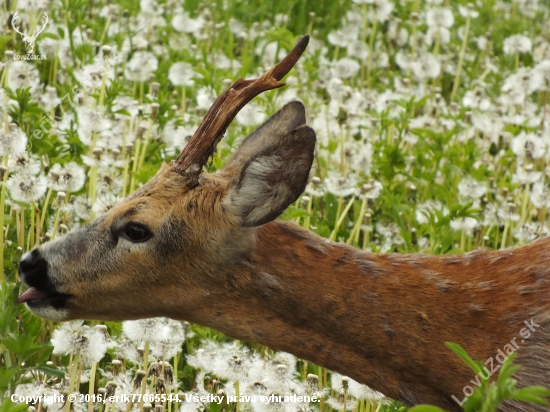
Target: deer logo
pixel 30 41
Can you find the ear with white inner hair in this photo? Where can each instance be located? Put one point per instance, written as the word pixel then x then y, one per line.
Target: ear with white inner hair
pixel 271 168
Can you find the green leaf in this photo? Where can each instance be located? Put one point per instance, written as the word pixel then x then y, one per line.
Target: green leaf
pixel 48 370
pixel 532 394
pixel 8 406
pixel 456 348
pixel 23 346
pixel 426 408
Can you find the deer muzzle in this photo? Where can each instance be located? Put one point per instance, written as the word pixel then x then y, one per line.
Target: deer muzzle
pixel 42 296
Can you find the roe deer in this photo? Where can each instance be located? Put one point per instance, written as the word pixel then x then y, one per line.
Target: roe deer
pixel 206 248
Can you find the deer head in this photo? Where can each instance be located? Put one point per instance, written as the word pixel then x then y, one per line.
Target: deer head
pixel 29 40
pixel 208 218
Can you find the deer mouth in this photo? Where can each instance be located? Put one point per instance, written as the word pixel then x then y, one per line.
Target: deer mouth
pixel 34 297
pixel 48 304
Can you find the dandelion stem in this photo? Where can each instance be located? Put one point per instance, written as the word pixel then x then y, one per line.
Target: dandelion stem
pixel 354 235
pixel 345 399
pixel 371 46
pixel 107 24
pixel 45 208
pixel 135 164
pixel 72 380
pixel 54 74
pixel 91 389
pixel 237 394
pixel 2 212
pixel 20 224
pixel 524 204
pixel 460 60
pixel 183 97
pixel 341 218
pixel 307 219
pixel 145 144
pixel 30 242
pixel 125 175
pixel 505 234
pixel 103 84
pixel 545 109
pixel 56 222
pixel 144 381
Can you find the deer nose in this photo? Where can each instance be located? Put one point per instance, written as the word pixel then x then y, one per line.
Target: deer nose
pixel 33 269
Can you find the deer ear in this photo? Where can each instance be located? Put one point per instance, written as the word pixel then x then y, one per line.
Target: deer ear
pixel 271 168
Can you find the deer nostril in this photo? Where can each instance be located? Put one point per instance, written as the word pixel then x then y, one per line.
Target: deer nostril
pixel 29 260
pixel 33 269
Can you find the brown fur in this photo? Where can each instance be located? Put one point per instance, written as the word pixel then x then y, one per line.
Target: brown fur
pixel 380 319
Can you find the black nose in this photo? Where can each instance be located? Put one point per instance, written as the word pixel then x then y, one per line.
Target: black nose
pixel 33 270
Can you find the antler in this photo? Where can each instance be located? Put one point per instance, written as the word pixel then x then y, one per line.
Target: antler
pixel 16 28
pixel 224 109
pixel 36 31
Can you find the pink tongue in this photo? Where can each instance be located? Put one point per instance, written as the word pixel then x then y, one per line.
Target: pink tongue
pixel 30 294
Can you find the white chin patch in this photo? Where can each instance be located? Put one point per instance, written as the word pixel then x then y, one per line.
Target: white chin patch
pixel 50 313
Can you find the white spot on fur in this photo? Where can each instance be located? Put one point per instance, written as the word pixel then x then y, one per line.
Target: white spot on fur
pixel 48 312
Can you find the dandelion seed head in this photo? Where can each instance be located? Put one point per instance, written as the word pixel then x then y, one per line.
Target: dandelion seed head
pixel 143 330
pixel 22 75
pixel 436 33
pixel 49 99
pixel 251 115
pixel 181 74
pixel 380 10
pixel 517 43
pixel 528 143
pixel 69 178
pixel 183 23
pixel 13 142
pixel 338 403
pixel 339 185
pixel 468 11
pixel 440 17
pixel 74 338
pixel 170 340
pixel 358 49
pixel 427 66
pixel 466 224
pixel 341 38
pixel 346 68
pixel 205 357
pixel 470 189
pixel 141 66
pixel 26 188
pixel 205 98
pixel 24 162
pixel 370 191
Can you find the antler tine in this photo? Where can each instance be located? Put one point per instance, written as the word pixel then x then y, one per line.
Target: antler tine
pixel 39 29
pixel 13 21
pixel 224 109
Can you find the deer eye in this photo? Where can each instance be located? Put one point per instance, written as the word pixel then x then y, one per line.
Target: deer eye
pixel 136 233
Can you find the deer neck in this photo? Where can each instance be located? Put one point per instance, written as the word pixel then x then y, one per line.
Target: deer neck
pixel 380 319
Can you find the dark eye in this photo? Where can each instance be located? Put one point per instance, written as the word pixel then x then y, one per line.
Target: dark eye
pixel 136 233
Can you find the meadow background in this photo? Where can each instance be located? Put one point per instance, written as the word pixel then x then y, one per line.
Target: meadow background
pixel 433 136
